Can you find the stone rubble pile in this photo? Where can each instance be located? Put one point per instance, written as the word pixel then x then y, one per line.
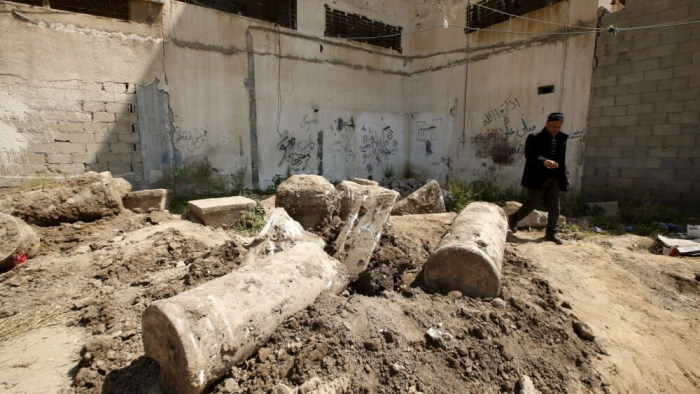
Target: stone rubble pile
pixel 319 238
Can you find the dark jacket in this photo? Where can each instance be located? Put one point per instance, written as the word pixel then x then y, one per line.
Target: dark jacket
pixel 537 149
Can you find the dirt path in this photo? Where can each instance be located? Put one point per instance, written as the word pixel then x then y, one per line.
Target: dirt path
pixel 643 308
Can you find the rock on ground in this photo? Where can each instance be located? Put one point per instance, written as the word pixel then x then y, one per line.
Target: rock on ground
pixel 16 238
pixel 86 198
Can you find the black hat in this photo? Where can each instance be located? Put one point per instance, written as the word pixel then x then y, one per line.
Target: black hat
pixel 555 116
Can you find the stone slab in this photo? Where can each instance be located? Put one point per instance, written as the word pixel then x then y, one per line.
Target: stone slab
pixel 222 211
pixel 148 199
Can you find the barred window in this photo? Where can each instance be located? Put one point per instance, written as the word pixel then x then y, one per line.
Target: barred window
pixel 482 15
pixel 282 12
pixel 118 9
pixel 359 28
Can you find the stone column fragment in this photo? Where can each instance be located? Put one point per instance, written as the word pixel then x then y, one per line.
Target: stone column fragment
pixel 309 199
pixel 427 199
pixel 16 237
pixel 470 256
pixel 86 198
pixel 198 335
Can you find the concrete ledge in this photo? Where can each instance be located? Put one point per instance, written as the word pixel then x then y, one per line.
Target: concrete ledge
pixel 221 212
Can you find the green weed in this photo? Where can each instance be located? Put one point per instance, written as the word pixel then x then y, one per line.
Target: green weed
pixel 250 223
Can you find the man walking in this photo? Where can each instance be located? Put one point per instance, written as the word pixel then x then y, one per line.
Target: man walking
pixel 545 174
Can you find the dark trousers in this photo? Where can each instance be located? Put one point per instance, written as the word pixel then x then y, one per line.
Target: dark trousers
pixel 550 194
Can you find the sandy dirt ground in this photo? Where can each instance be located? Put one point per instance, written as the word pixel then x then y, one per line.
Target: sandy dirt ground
pixel 642 307
pixel 597 314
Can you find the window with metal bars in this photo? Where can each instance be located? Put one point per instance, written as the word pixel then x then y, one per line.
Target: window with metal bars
pixel 359 28
pixel 118 9
pixel 282 12
pixel 490 12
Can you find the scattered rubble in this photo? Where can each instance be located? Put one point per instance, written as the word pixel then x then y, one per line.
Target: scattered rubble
pixel 212 312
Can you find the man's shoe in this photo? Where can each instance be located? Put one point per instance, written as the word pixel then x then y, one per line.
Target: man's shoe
pixel 512 224
pixel 554 238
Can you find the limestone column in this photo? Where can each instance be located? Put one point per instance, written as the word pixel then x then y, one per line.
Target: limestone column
pixel 198 335
pixel 470 256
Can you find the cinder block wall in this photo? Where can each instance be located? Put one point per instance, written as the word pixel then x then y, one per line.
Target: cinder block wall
pixel 645 107
pixel 75 127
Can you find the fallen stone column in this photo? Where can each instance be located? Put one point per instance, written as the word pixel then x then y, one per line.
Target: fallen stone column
pixel 15 237
pixel 365 209
pixel 198 335
pixel 470 256
pixel 86 198
pixel 309 199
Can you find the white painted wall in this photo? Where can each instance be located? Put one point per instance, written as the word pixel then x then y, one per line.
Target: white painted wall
pixel 324 105
pixel 483 88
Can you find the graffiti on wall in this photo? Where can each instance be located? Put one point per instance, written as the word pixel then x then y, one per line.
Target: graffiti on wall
pixel 429 132
pixel 578 134
pixel 507 106
pixel 343 144
pixel 504 137
pixel 377 146
pixel 297 152
pixel 190 141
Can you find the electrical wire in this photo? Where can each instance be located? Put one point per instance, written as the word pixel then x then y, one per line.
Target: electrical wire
pixel 586 29
pixel 550 33
pixel 533 20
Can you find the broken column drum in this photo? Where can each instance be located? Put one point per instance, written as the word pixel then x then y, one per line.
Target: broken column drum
pixel 15 237
pixel 198 335
pixel 470 256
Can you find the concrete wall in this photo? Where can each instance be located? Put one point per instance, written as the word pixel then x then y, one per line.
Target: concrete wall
pixel 644 137
pixel 67 92
pixel 480 91
pixel 180 84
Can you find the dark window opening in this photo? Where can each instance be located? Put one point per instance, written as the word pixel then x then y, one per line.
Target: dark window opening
pixel 359 28
pixel 545 89
pixel 281 12
pixel 481 17
pixel 118 9
pixel 30 2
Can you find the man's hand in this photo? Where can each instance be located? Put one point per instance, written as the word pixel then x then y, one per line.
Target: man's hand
pixel 551 164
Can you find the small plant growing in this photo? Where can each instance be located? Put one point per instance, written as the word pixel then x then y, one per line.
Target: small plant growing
pixel 250 223
pixel 198 178
pixel 389 172
pixel 462 195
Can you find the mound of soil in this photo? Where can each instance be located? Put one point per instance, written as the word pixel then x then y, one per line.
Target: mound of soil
pixel 384 334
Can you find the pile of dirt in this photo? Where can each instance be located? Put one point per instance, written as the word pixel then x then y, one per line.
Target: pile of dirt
pixel 384 334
